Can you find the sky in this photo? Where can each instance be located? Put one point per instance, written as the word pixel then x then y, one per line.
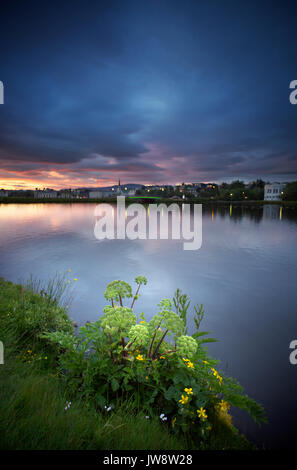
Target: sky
pixel 149 92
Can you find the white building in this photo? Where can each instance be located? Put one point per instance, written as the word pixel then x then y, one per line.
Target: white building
pixel 95 194
pixel 101 194
pixel 46 193
pixel 273 191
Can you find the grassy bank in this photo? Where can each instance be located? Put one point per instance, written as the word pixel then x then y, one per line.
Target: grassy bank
pixel 35 412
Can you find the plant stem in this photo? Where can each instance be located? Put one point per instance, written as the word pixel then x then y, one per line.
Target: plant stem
pixel 111 355
pixel 159 344
pixel 152 342
pixel 124 352
pixel 134 298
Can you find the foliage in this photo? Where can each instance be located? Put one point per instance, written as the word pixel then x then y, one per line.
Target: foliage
pixel 181 303
pixel 31 314
pixel 121 356
pixel 290 192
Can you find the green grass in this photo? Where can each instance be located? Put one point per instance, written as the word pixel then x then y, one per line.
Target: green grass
pixel 33 417
pixel 33 397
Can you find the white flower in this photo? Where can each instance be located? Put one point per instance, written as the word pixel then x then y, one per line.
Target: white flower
pixel 68 404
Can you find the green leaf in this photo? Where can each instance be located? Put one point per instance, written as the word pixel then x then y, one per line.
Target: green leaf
pixel 114 384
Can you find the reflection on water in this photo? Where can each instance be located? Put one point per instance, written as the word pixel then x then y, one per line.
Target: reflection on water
pixel 244 274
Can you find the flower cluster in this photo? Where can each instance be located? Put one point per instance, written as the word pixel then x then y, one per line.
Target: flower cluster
pixel 141 280
pixel 185 398
pixel 216 374
pixel 139 335
pixel 223 406
pixel 189 363
pixel 117 320
pixel 118 290
pixel 68 404
pixel 140 357
pixel 163 417
pixel 168 320
pixel 186 346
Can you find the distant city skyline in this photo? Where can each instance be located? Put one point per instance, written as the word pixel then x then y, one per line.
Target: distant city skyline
pixel 156 92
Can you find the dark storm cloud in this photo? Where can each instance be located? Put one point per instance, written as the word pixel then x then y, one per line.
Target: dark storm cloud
pixel 159 90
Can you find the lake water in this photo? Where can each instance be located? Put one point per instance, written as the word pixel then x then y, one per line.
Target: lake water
pixel 245 275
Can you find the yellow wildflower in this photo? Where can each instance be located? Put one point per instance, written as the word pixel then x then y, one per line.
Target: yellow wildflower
pixel 184 399
pixel 202 414
pixel 189 391
pixel 224 406
pixel 142 321
pixel 162 357
pixel 140 357
pixel 190 364
pixel 216 374
pixel 75 279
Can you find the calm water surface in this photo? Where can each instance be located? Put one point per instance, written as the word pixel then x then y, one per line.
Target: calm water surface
pixel 244 274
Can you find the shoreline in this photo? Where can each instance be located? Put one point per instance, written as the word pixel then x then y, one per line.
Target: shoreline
pixel 15 200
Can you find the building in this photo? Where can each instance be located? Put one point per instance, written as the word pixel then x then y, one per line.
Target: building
pixel 66 194
pixel 273 191
pixel 102 194
pixel 45 193
pixel 3 193
pixel 95 194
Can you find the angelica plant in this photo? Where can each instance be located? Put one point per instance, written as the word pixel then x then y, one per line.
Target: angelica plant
pixel 154 363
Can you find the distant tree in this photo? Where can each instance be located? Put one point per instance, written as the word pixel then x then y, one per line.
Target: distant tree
pixel 255 193
pixel 259 183
pixel 290 192
pixel 237 184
